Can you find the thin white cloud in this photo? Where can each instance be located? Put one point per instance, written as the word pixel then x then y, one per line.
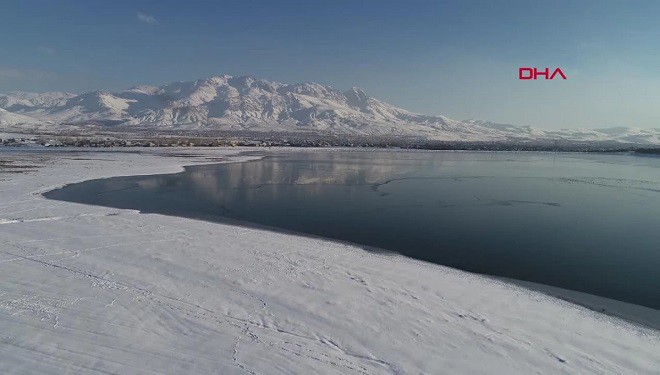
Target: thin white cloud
pixel 6 74
pixel 46 50
pixel 21 76
pixel 147 18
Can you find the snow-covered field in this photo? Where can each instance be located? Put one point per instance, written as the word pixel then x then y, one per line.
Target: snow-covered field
pixel 87 289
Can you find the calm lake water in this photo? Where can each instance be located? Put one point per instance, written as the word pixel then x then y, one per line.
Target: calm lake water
pixel 584 222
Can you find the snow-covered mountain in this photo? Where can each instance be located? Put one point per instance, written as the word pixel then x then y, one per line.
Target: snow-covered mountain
pixel 619 134
pixel 246 103
pixel 237 103
pixel 9 119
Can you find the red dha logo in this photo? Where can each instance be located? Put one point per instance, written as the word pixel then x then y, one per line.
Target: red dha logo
pixel 533 73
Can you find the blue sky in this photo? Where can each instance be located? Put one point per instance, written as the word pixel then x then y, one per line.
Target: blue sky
pixel 457 58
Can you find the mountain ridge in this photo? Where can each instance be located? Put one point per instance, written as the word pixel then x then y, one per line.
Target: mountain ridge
pixel 247 103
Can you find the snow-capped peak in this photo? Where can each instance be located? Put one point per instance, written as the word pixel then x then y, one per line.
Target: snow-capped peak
pixel 226 102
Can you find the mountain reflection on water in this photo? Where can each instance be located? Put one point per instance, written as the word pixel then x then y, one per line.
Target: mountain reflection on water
pixel 577 221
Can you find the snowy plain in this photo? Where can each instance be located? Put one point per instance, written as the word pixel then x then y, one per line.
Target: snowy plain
pixel 87 289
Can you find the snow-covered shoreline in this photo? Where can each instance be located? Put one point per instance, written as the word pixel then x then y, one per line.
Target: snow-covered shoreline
pixel 100 290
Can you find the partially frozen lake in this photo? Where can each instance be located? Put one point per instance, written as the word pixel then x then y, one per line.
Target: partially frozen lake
pixel 585 222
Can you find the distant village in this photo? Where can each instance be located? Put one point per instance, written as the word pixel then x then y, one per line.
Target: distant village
pixel 304 140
